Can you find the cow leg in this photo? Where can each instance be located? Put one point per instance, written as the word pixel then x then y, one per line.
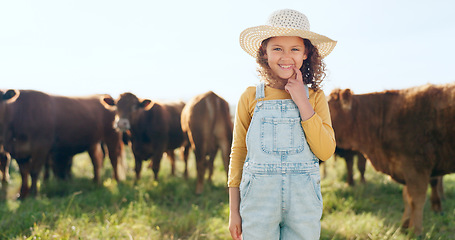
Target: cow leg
pixel 435 198
pixel 37 161
pixel 349 158
pixel 441 187
pixel 138 168
pixel 171 157
pixel 47 166
pixel 69 164
pixel 186 152
pixel 115 150
pixel 361 165
pixel 156 162
pixel 24 169
pixel 210 164
pixel 61 165
pixel 5 159
pixel 4 191
pixel 225 146
pixel 34 174
pixel 416 194
pixel 201 164
pixel 407 209
pixel 96 155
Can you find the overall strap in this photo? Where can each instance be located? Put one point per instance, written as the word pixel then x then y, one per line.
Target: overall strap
pixel 260 93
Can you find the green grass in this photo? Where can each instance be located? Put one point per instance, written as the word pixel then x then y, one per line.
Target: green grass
pixel 169 209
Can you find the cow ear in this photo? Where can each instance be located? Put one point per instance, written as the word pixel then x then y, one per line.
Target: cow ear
pixel 146 104
pixel 108 102
pixel 346 94
pixel 346 98
pixel 11 95
pixel 335 94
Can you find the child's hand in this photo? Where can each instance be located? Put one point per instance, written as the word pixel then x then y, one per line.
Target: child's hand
pixel 296 87
pixel 235 226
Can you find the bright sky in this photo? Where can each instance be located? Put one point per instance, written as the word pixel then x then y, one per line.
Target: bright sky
pixel 177 49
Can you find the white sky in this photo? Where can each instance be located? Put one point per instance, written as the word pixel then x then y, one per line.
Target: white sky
pixel 177 49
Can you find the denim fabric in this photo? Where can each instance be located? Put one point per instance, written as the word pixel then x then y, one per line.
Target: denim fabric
pixel 280 189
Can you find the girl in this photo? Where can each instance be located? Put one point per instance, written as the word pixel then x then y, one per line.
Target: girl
pixel 281 130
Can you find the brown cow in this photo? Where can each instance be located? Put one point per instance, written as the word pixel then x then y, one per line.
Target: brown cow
pixel 39 127
pixel 154 129
pixel 207 121
pixel 408 134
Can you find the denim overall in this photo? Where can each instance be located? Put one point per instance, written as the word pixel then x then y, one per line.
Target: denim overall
pixel 280 189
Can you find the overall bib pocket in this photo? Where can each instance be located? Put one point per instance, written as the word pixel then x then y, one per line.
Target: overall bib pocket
pixel 282 135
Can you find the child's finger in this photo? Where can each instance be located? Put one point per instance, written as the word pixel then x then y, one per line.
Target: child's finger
pixel 286 87
pixel 298 74
pixel 236 234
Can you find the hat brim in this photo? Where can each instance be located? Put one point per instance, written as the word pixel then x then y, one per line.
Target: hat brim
pixel 251 38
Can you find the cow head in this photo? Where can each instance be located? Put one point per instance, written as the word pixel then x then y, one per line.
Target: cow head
pixel 341 112
pixel 128 107
pixel 342 97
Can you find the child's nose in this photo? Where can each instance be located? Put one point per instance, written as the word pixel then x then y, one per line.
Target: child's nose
pixel 286 54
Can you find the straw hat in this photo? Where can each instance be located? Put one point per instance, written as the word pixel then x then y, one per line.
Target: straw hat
pixel 285 22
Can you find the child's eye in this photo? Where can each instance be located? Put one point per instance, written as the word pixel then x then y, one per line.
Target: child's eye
pixel 277 49
pixel 295 49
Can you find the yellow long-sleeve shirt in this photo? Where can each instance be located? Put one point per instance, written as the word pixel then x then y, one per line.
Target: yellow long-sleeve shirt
pixel 318 129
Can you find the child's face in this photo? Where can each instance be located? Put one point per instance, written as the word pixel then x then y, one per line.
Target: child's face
pixel 285 53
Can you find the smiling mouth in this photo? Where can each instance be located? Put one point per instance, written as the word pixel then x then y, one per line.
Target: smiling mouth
pixel 286 66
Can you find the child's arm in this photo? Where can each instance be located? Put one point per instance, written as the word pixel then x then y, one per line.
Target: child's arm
pixel 239 150
pixel 235 221
pixel 238 154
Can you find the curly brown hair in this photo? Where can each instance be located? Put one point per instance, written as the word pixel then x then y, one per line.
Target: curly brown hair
pixel 313 68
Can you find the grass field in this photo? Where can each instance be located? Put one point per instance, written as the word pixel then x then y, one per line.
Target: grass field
pixel 169 209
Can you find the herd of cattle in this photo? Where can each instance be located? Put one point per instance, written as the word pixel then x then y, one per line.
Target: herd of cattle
pixel 408 134
pixel 41 130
